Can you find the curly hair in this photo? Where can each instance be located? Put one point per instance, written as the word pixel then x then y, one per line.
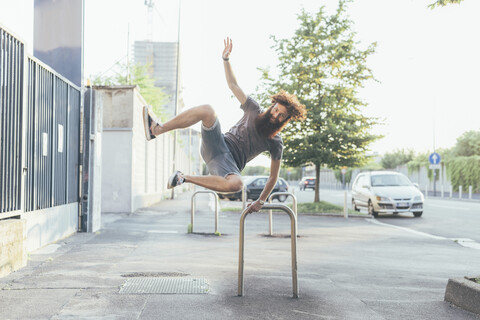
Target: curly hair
pixel 296 110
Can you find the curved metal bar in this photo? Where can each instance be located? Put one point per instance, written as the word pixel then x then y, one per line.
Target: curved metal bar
pixel 244 197
pixel 294 202
pixel 193 207
pixel 293 222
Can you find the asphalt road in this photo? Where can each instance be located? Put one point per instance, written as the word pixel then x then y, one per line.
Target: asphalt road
pixel 453 219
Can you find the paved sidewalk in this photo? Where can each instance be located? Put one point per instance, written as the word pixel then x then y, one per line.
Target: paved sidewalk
pixel 347 269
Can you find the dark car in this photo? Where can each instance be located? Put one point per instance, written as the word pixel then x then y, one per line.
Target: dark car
pixel 255 185
pixel 307 182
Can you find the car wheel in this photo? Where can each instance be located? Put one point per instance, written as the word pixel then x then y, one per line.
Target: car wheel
pixel 417 214
pixel 282 198
pixel 371 211
pixel 354 206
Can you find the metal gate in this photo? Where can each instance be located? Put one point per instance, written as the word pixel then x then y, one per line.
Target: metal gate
pixel 44 107
pixel 11 103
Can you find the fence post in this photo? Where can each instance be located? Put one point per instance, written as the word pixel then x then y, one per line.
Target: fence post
pixel 293 237
pixel 244 197
pixel 294 208
pixel 192 211
pixel 470 193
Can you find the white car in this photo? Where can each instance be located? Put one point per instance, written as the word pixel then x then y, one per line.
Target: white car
pixel 386 192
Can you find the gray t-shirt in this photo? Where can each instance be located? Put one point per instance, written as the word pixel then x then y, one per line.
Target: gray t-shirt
pixel 245 143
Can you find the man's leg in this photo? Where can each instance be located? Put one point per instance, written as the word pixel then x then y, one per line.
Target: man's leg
pixel 204 113
pixel 232 183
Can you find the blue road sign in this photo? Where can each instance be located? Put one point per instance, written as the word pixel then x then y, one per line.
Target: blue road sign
pixel 434 158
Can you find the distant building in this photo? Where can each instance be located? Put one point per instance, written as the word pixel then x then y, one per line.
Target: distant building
pixel 162 57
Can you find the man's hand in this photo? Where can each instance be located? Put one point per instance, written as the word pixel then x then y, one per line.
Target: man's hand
pixel 228 48
pixel 254 206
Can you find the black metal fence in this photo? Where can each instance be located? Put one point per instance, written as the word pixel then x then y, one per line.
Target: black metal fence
pixel 50 113
pixel 11 104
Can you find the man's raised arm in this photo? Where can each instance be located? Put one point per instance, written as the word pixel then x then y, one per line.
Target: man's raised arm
pixel 269 186
pixel 232 82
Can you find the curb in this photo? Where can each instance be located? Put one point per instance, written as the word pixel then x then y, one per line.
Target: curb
pixel 463 293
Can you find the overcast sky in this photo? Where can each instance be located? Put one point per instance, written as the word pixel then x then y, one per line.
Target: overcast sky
pixel 427 61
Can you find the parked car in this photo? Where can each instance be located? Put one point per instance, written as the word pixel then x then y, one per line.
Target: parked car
pixel 307 182
pixel 386 192
pixel 255 185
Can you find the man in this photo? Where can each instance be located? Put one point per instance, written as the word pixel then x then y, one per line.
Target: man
pixel 227 154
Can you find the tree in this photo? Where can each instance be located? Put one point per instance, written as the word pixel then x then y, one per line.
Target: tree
pixel 141 76
pixel 443 3
pixel 323 66
pixel 391 160
pixel 468 144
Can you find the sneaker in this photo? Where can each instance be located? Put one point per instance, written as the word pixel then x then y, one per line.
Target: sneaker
pixel 175 180
pixel 148 119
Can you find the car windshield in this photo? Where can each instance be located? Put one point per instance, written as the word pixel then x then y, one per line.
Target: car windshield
pixel 390 180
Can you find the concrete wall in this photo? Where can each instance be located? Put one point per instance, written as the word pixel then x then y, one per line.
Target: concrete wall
pixel 13 254
pixel 49 225
pixel 116 171
pixel 134 171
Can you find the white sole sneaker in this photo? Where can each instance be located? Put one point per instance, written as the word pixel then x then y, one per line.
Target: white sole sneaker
pixel 149 118
pixel 147 123
pixel 172 181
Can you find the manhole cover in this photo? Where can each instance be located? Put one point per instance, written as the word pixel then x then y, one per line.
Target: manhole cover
pixel 165 285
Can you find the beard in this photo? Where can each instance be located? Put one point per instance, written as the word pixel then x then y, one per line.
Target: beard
pixel 265 126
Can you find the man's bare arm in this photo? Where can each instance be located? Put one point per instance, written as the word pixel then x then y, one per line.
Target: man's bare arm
pixel 231 80
pixel 269 186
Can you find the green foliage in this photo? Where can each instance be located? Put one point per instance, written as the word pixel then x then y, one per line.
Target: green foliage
pixel 443 3
pixel 348 175
pixel 323 65
pixel 137 75
pixel 468 144
pixel 464 171
pixel 320 207
pixel 391 160
pixel 295 173
pixel 255 171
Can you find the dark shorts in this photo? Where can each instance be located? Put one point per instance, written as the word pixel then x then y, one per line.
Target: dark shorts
pixel 215 152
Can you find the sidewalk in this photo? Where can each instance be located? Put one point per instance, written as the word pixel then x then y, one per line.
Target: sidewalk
pixel 347 269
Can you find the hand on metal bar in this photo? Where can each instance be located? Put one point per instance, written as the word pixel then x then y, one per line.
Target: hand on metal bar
pixel 254 206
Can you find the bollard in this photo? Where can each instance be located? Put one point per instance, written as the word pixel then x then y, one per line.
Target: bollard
pixel 442 191
pixel 451 192
pixel 345 209
pixel 460 192
pixel 244 197
pixel 426 190
pixel 293 236
pixel 294 205
pixel 193 209
pixel 470 192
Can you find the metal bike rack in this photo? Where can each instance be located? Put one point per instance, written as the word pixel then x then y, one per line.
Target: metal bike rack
pixel 244 197
pixel 294 202
pixel 216 207
pixel 293 222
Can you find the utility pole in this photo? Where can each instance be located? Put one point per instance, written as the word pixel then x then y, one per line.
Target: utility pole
pixel 176 93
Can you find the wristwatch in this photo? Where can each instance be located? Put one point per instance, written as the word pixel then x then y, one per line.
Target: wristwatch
pixel 261 201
